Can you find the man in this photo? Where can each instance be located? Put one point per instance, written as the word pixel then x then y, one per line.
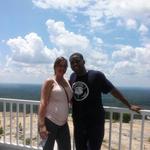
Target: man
pixel 87 109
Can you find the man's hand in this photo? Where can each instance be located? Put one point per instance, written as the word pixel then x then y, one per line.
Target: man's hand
pixel 135 108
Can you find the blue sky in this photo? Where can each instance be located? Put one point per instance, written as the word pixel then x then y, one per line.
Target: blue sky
pixel 113 37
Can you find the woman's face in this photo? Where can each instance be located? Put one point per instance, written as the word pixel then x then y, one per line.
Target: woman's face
pixel 61 68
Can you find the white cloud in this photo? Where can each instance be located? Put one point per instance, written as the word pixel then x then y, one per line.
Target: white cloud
pixel 98 40
pixel 143 55
pixel 64 39
pixel 143 29
pixel 100 11
pixel 138 55
pixel 134 61
pixel 125 53
pixel 31 58
pixel 25 74
pixel 131 24
pixel 31 50
pixel 99 58
pixel 124 9
pixel 124 67
pixel 61 4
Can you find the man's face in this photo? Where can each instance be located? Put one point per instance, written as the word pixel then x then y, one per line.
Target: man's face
pixel 77 63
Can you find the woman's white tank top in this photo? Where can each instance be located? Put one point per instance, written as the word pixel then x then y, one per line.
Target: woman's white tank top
pixel 58 107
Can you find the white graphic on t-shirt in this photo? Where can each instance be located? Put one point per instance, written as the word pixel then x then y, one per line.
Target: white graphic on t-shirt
pixel 81 90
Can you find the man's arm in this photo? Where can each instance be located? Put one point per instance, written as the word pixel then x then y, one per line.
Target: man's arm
pixel 117 94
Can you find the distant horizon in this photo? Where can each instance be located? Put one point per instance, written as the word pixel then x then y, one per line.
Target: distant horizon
pixel 27 83
pixel 28 91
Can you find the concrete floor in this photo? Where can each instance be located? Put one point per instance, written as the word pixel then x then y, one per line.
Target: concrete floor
pixel 13 147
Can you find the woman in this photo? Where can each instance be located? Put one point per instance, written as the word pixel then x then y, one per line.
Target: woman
pixel 54 107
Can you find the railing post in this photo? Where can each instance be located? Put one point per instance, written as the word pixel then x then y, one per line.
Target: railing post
pixel 17 127
pixel 31 114
pixel 110 129
pixel 10 123
pixel 131 131
pixel 142 132
pixel 38 136
pixel 4 120
pixel 120 131
pixel 24 124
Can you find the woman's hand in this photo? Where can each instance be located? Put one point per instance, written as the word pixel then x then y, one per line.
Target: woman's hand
pixel 43 132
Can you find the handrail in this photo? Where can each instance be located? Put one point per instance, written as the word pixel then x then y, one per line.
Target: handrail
pixel 9 114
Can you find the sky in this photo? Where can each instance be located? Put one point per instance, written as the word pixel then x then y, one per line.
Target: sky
pixel 112 35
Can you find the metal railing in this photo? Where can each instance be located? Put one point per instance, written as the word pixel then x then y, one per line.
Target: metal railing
pixel 139 122
pixel 18 126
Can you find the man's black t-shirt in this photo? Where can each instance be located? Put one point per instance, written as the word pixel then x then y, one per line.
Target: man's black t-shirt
pixel 87 102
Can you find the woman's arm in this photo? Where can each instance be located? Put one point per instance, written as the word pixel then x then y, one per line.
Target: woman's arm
pixel 45 93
